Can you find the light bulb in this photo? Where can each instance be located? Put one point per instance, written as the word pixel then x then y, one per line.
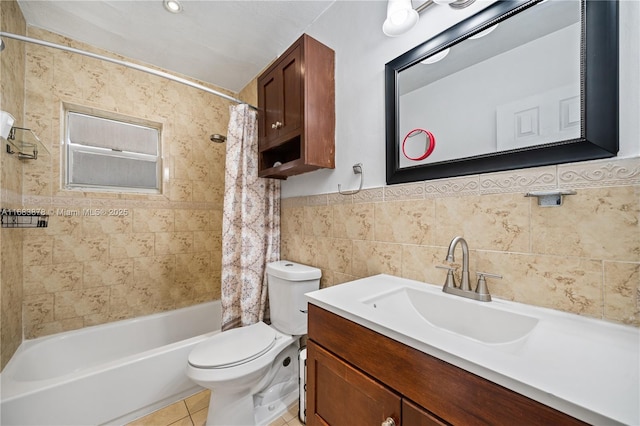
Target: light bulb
pixel 173 6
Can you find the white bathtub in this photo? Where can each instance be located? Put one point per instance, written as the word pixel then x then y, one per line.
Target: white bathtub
pixel 107 374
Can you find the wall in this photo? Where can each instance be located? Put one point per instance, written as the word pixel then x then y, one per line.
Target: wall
pixel 12 101
pixel 583 257
pixel 354 30
pixel 164 251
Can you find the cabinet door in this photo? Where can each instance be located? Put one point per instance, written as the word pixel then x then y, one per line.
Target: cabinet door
pixel 414 415
pixel 280 100
pixel 291 115
pixel 340 395
pixel 270 101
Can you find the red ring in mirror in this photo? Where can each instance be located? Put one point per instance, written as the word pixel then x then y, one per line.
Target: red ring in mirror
pixel 432 144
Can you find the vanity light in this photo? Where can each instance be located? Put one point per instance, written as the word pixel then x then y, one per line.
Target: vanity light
pixel 173 6
pixel 436 58
pixel 401 17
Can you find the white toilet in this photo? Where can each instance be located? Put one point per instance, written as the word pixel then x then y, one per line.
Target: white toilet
pixel 252 371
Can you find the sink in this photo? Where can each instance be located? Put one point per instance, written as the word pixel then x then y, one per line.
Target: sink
pixel 478 321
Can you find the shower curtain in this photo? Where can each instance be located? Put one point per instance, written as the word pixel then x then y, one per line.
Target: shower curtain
pixel 250 224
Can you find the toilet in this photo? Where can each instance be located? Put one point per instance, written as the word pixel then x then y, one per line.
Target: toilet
pixel 252 371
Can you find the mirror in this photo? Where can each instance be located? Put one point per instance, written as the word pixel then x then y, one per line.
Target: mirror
pixel 520 84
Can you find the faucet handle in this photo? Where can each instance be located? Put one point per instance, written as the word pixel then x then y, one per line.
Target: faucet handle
pixel 482 288
pixel 450 280
pixel 449 268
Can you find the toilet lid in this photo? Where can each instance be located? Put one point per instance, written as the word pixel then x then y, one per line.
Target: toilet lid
pixel 233 347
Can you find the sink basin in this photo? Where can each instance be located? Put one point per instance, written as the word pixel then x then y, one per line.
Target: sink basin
pixel 474 320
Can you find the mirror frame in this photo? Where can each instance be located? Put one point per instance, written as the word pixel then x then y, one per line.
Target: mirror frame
pixel 599 100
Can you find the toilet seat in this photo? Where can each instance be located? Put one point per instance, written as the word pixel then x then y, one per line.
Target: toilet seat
pixel 233 347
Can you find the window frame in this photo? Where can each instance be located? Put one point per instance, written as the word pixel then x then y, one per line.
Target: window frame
pixel 69 148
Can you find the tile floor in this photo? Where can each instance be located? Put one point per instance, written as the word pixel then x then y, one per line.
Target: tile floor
pixel 192 411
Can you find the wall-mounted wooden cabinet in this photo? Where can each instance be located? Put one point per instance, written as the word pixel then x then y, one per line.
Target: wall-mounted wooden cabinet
pixel 296 117
pixel 356 376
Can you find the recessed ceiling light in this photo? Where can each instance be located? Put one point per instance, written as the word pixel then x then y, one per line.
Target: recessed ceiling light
pixel 173 6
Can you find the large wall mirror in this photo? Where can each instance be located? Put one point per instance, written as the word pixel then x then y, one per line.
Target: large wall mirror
pixel 520 84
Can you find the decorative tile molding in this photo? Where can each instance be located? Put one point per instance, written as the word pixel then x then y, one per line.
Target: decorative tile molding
pixel 618 172
pixel 600 173
pixel 518 180
pixel 370 195
pixel 336 198
pixel 39 201
pixel 317 200
pixel 413 191
pixel 10 198
pixel 287 203
pixel 468 185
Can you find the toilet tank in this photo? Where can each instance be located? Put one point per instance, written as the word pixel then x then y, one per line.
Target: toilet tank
pixel 288 282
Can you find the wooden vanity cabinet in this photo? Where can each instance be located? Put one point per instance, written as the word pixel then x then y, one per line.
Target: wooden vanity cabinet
pixel 356 376
pixel 345 394
pixel 296 111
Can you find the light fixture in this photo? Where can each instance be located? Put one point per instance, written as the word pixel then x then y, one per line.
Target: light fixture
pixel 173 6
pixel 436 58
pixel 401 17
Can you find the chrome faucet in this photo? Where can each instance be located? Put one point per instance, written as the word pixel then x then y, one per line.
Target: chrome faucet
pixel 481 292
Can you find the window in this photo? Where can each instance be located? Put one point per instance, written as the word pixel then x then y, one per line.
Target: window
pixel 107 154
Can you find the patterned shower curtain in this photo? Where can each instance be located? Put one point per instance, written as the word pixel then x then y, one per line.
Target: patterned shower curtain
pixel 250 224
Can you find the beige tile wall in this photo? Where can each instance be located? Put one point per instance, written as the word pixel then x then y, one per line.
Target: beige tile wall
pixel 12 101
pixel 163 251
pixel 582 257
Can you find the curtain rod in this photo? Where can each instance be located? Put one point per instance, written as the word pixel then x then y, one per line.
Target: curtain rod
pixel 125 64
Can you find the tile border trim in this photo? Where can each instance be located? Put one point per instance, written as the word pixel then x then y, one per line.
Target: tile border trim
pixel 592 174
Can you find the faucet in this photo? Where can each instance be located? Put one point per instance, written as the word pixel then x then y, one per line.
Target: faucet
pixel 464 284
pixel 481 292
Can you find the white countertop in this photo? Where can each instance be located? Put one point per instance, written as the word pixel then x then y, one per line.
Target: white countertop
pixel 584 367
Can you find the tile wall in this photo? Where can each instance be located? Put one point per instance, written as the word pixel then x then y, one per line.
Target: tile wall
pixel 582 257
pixel 12 101
pixel 160 251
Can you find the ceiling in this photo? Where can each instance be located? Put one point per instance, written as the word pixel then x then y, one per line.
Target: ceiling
pixel 225 43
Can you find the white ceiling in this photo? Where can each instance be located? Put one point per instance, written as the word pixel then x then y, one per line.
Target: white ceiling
pixel 226 43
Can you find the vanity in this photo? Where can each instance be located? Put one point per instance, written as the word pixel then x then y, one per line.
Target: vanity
pixel 392 351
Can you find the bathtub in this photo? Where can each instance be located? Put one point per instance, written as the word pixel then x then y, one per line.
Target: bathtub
pixel 106 374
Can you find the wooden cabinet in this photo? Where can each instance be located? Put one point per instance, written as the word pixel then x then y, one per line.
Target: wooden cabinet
pixel 344 394
pixel 414 415
pixel 343 355
pixel 296 111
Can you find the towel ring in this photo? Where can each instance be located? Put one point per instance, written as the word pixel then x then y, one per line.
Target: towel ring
pixel 357 170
